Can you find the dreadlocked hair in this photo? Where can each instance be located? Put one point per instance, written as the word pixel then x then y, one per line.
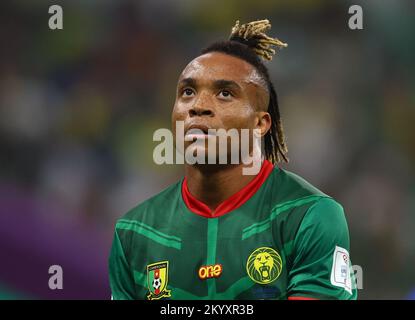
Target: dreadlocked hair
pixel 250 43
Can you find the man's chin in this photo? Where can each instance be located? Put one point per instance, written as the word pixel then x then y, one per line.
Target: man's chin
pixel 199 155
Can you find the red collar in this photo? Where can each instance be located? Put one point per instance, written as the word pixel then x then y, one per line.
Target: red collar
pixel 233 202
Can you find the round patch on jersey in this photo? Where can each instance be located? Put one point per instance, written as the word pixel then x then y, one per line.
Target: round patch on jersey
pixel 264 265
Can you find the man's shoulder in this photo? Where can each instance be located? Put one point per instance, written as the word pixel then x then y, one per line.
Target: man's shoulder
pixel 295 196
pixel 292 186
pixel 296 193
pixel 161 203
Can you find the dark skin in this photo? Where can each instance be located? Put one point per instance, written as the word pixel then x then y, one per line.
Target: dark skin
pixel 217 90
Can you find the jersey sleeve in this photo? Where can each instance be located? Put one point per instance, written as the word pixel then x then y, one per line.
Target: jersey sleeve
pixel 121 279
pixel 321 266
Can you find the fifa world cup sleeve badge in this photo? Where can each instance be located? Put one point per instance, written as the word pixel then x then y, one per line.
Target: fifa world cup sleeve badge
pixel 157 278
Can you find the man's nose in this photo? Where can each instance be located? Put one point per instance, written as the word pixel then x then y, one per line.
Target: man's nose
pixel 202 107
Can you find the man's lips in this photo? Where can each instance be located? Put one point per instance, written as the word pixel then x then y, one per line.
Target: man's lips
pixel 195 131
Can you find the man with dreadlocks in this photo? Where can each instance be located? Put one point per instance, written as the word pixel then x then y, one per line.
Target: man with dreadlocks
pixel 220 234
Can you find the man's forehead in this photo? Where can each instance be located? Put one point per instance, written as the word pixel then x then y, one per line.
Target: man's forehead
pixel 215 65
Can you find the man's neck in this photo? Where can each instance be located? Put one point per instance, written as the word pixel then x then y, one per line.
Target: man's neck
pixel 213 184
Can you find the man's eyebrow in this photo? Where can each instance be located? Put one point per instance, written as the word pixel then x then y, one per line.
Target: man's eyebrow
pixel 222 83
pixel 187 82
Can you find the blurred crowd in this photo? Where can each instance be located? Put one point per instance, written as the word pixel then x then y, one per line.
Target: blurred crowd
pixel 78 108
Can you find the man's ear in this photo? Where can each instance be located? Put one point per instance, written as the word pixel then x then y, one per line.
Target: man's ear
pixel 264 122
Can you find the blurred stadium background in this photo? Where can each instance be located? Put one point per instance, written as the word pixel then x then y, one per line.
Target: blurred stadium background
pixel 78 108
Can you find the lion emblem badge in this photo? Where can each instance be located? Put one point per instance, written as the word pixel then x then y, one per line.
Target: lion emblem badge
pixel 264 265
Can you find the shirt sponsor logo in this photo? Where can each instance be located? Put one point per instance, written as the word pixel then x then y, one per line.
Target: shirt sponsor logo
pixel 340 271
pixel 210 271
pixel 157 278
pixel 264 265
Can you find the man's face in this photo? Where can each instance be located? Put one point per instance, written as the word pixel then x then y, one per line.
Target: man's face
pixel 219 91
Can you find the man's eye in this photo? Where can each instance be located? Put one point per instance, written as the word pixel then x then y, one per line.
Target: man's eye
pixel 187 92
pixel 225 94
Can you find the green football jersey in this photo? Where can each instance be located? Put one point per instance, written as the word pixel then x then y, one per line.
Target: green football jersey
pixel 282 239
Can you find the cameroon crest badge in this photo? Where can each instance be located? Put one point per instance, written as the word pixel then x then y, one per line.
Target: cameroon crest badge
pixel 157 278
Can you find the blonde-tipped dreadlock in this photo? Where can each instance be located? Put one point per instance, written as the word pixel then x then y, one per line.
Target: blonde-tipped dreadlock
pixel 250 43
pixel 255 31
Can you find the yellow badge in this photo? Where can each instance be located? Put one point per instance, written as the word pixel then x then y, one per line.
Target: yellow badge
pixel 157 278
pixel 264 265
